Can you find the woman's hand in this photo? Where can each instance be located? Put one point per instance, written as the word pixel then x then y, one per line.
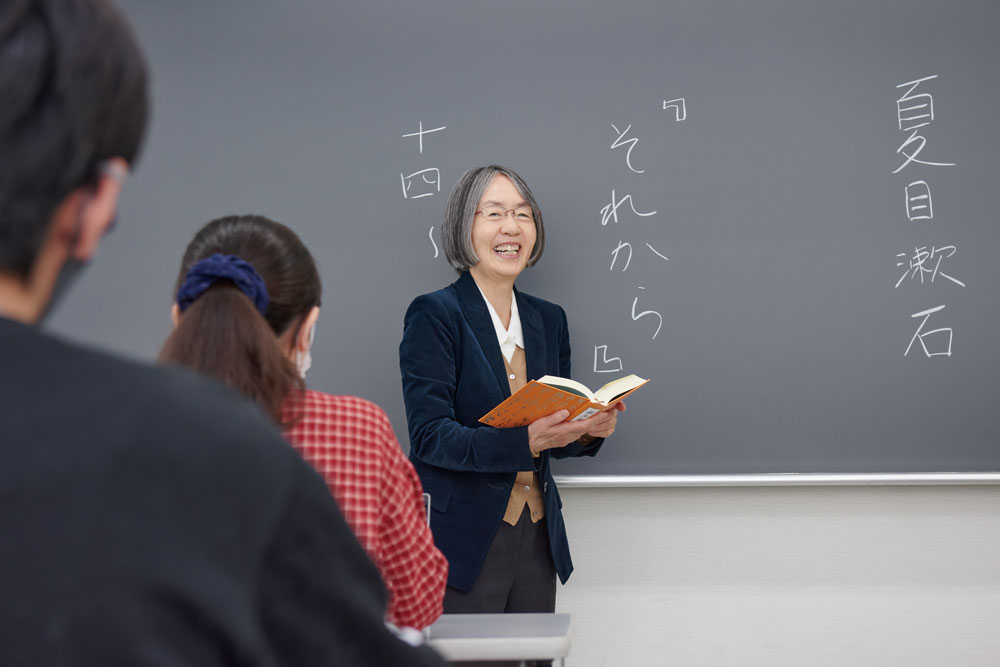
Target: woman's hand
pixel 550 432
pixel 606 426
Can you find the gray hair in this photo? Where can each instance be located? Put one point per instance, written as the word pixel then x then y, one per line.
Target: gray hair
pixel 460 213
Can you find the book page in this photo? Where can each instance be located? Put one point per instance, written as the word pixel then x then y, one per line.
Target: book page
pixel 616 388
pixel 568 385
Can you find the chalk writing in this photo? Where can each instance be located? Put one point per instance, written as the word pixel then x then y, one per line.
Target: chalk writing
pixel 922 335
pixel 604 365
pixel 918 201
pixel 914 115
pixel 425 182
pixel 610 212
pixel 623 251
pixel 924 261
pixel 921 142
pixel 621 245
pixel 625 245
pixel 661 256
pixel 420 134
pixel 428 177
pixel 913 111
pixel 618 143
pixel 645 313
pixel 679 106
pixel 431 235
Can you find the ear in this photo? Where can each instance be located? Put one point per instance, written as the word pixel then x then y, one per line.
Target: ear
pixel 304 338
pixel 98 206
pixel 175 314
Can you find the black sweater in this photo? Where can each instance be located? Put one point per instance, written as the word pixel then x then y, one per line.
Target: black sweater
pixel 150 517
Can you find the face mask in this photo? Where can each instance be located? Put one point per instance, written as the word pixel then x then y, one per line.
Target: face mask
pixel 303 360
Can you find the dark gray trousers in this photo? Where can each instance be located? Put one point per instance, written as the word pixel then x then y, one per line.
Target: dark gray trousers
pixel 517 577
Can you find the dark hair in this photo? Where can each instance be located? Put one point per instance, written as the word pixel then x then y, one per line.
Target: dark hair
pixel 222 334
pixel 73 92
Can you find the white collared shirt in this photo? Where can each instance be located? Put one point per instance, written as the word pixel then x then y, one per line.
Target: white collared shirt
pixel 512 336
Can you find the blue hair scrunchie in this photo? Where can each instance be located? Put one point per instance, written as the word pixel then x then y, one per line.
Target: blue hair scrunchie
pixel 216 267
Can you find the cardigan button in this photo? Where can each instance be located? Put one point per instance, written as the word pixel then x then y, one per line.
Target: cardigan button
pixel 545 487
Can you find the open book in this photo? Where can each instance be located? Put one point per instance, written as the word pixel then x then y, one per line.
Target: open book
pixel 549 394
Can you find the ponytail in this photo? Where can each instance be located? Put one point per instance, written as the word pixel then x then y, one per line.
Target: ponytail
pixel 244 281
pixel 222 335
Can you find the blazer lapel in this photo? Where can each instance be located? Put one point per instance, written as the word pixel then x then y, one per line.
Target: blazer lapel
pixel 478 316
pixel 534 337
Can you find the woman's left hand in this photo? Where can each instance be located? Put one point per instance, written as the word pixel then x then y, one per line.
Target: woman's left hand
pixel 607 421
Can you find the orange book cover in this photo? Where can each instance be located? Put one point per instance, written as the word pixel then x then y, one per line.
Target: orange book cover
pixel 538 399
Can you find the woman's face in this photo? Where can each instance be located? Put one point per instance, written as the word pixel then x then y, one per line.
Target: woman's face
pixel 503 232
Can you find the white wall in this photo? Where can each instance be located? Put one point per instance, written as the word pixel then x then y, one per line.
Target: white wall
pixel 775 576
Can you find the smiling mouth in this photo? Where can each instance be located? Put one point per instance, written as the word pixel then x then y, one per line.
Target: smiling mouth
pixel 507 249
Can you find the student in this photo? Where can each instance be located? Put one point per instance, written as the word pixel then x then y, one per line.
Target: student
pixel 248 298
pixel 148 517
pixel 496 512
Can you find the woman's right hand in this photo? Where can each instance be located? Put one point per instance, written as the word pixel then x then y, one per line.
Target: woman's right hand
pixel 550 432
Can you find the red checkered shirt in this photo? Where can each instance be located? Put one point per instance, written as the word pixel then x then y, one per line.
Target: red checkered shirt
pixel 351 443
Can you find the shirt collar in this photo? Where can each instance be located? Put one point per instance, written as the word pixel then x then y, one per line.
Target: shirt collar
pixel 512 336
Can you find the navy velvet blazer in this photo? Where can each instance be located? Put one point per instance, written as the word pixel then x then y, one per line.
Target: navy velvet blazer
pixel 453 374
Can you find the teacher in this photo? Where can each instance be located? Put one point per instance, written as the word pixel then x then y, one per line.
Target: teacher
pixel 495 510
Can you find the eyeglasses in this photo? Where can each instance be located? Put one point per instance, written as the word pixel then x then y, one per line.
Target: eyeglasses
pixel 496 213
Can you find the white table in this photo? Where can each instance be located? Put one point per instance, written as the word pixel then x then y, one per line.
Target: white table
pixel 489 637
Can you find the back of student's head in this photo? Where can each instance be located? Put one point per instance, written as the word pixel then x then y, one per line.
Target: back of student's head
pixel 73 93
pixel 227 327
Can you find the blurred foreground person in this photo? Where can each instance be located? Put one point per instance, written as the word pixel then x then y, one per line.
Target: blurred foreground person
pixel 148 517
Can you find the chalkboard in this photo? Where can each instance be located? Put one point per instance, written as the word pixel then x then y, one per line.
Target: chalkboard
pixel 784 213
